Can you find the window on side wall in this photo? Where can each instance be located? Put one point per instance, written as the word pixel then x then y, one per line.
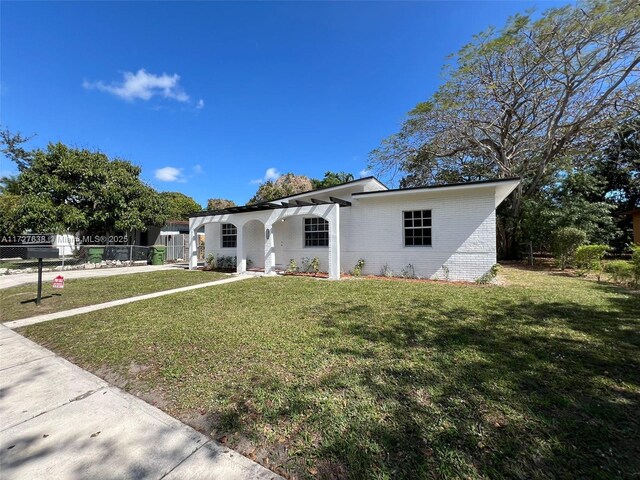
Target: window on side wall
pixel 417 228
pixel 316 232
pixel 229 235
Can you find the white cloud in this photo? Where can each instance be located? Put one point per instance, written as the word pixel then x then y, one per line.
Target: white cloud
pixel 364 173
pixel 143 85
pixel 169 174
pixel 197 169
pixel 272 174
pixel 200 104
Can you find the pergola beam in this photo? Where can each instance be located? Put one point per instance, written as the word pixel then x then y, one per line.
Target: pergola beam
pixel 272 206
pixel 339 201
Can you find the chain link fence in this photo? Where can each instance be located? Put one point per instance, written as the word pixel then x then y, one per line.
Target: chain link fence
pixel 80 257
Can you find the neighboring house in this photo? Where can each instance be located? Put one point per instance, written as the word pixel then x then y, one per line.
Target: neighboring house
pixel 174 235
pixel 635 216
pixel 445 232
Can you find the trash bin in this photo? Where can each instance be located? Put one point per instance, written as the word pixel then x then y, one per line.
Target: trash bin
pixel 158 254
pixel 96 254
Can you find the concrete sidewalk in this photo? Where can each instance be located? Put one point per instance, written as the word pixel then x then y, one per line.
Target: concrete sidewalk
pixel 58 421
pixel 8 281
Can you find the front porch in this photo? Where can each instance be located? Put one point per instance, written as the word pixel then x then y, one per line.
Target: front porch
pixel 263 239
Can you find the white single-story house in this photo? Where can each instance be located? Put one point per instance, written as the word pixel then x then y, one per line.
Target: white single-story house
pixel 438 232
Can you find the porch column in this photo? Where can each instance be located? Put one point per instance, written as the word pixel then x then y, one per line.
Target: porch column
pixel 241 256
pixel 193 245
pixel 333 217
pixel 269 250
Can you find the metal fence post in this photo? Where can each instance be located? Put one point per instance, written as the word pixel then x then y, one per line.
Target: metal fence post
pixel 39 297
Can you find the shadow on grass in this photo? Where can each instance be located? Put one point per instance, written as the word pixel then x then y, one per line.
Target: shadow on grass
pixel 517 389
pixel 34 300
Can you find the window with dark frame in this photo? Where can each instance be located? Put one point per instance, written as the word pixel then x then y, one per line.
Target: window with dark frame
pixel 417 228
pixel 229 235
pixel 316 232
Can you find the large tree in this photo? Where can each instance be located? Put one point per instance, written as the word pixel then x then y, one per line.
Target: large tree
pixel 179 206
pixel 219 203
pixel 63 189
pixel 331 179
pixel 524 101
pixel 576 199
pixel 285 185
pixel 618 167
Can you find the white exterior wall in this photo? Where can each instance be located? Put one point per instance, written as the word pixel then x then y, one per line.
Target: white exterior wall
pixel 463 234
pixel 254 241
pixel 289 243
pixel 289 238
pixel 463 231
pixel 213 241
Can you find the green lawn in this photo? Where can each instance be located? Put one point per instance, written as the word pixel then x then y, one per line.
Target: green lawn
pixel 387 379
pixel 88 291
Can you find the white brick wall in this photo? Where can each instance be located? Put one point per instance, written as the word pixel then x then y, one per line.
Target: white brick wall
pixel 463 235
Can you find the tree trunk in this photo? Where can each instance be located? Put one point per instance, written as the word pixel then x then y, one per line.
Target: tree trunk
pixel 508 218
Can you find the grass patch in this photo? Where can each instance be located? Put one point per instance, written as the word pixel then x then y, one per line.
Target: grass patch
pixel 88 291
pixel 376 379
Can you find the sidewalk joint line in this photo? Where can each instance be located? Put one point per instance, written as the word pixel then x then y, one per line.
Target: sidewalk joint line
pixel 197 449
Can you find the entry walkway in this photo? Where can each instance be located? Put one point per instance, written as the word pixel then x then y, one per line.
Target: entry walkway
pixel 114 303
pixel 58 421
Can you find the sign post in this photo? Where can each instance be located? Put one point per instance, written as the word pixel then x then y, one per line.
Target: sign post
pixel 40 253
pixel 39 297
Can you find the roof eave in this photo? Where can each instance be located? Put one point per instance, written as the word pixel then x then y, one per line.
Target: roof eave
pixel 509 183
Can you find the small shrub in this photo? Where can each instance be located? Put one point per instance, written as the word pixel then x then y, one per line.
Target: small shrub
pixel 211 262
pixel 589 258
pixel 293 266
pixel 315 265
pixel 621 271
pixel 490 275
pixel 564 243
pixel 445 271
pixel 305 264
pixel 385 271
pixel 226 262
pixel 408 272
pixel 357 270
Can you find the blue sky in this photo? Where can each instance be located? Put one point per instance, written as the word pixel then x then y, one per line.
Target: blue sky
pixel 211 97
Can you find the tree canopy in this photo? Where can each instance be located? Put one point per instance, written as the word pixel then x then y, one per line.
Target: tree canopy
pixel 575 200
pixel 219 203
pixel 526 100
pixel 178 206
pixel 290 184
pixel 331 179
pixel 63 189
pixel 285 185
